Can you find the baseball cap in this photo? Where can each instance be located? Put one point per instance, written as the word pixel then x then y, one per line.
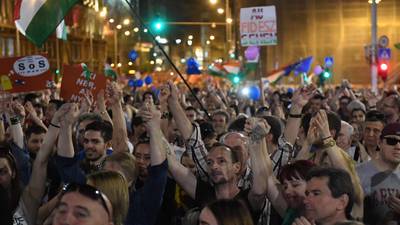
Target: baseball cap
pixel 391 129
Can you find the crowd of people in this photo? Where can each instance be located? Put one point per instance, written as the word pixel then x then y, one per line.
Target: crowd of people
pixel 209 156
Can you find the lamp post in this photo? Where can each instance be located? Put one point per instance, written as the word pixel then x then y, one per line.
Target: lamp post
pixel 374 67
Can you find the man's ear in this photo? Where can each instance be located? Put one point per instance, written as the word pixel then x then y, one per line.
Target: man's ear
pixel 237 167
pixel 333 133
pixel 343 202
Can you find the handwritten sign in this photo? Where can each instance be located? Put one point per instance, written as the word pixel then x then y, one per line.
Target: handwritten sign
pixel 75 86
pixel 25 74
pixel 258 26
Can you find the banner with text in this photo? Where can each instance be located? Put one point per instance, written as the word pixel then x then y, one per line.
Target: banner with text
pixel 25 74
pixel 75 86
pixel 258 26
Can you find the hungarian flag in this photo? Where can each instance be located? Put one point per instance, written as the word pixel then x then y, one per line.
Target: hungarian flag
pixel 38 19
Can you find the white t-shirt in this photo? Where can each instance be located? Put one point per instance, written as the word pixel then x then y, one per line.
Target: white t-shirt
pixel 19 217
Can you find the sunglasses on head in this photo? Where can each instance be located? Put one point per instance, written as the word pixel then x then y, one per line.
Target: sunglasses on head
pixel 87 191
pixel 392 141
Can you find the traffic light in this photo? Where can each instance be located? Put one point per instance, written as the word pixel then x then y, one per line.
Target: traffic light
pixel 236 79
pixel 158 24
pixel 383 69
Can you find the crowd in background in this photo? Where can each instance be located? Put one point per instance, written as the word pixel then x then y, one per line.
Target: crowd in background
pixel 298 156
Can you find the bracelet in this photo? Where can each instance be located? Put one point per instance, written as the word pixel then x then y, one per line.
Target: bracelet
pixel 295 115
pixel 56 126
pixel 326 138
pixel 14 120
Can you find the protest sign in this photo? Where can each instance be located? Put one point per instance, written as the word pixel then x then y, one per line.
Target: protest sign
pixel 75 84
pixel 25 74
pixel 258 26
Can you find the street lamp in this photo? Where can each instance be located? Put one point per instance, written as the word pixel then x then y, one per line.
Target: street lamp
pixel 220 11
pixel 127 33
pixel 136 29
pixel 126 22
pixel 190 37
pixel 119 26
pixel 111 20
pixel 213 2
pixel 212 37
pixel 229 20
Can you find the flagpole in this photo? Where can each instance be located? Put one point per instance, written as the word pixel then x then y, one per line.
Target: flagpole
pixel 18 42
pixel 137 16
pixel 58 53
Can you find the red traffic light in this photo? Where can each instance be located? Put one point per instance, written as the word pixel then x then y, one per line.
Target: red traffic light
pixel 383 66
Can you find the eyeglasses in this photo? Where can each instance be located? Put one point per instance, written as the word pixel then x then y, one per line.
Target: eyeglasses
pixel 87 191
pixel 392 141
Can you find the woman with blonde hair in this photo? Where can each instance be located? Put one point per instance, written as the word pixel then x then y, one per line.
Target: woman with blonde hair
pixel 114 186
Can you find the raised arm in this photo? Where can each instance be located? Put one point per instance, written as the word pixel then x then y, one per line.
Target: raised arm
pixel 35 189
pixel 182 122
pixel 32 115
pixel 120 134
pixel 261 164
pixel 300 98
pixel 65 147
pixel 14 114
pixel 152 117
pixel 182 175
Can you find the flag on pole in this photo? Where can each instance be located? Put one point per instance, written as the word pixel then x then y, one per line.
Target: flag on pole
pixel 37 19
pixel 304 65
pixel 61 31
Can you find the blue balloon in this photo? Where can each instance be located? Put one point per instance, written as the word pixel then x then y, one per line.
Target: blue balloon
pixel 290 90
pixel 139 83
pixel 192 66
pixel 254 93
pixel 131 83
pixel 148 80
pixel 133 55
pixel 328 61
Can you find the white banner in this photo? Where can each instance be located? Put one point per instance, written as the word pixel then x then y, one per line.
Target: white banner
pixel 258 26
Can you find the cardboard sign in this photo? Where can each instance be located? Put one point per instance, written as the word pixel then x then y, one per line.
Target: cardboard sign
pixel 25 74
pixel 258 26
pixel 74 85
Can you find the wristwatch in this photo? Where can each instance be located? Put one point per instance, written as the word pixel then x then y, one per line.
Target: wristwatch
pixel 328 143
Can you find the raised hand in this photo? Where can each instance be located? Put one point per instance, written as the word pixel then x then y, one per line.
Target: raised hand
pixel 58 115
pixel 312 134
pixel 321 121
pixel 113 93
pixel 86 102
pixel 302 95
pixel 302 221
pixel 150 115
pixel 71 114
pixel 31 110
pixel 18 109
pixel 165 93
pixel 174 96
pixel 256 128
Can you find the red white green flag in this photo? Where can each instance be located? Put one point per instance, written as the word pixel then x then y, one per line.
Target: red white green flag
pixel 38 19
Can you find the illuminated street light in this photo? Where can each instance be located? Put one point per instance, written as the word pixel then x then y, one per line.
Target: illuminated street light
pixel 190 37
pixel 208 42
pixel 152 62
pixel 130 63
pixel 119 26
pixel 103 12
pixel 229 20
pixel 212 37
pixel 183 60
pixel 190 42
pixel 159 61
pixel 111 20
pixel 213 2
pixel 178 41
pixel 213 25
pixel 127 33
pixel 376 1
pixel 220 11
pixel 136 29
pixel 126 22
pixel 172 73
pixel 112 65
pixel 119 65
pixel 154 54
pixel 145 30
